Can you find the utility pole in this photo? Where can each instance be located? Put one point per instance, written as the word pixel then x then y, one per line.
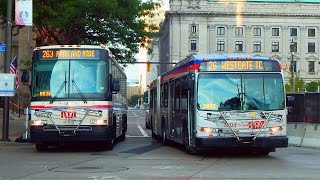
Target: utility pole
pixel 5 127
pixel 292 66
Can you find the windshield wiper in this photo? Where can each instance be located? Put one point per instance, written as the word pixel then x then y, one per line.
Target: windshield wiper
pixel 79 92
pixel 253 103
pixel 64 84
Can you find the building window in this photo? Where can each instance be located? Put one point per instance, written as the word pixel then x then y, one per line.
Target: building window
pixel 220 46
pixel 311 32
pixel 193 46
pixel 275 32
pixel 193 28
pixel 239 31
pixel 275 47
pixel 311 66
pixel 239 46
pixel 256 46
pixel 257 31
pixel 311 47
pixel 220 31
pixel 293 32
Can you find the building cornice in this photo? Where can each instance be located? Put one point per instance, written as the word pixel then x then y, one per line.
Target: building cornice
pixel 179 13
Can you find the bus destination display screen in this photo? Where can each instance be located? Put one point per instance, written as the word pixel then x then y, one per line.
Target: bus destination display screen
pixel 235 65
pixel 53 54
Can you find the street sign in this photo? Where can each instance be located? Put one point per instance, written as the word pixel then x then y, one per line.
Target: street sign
pixel 7 84
pixel 2 47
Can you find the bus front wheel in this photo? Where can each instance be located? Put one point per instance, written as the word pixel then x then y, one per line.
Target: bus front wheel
pixel 189 149
pixel 41 147
pixel 164 135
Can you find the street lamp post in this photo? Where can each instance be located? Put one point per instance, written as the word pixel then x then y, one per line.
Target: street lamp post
pixel 292 66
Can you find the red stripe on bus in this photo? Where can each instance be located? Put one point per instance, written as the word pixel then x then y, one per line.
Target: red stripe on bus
pixel 93 106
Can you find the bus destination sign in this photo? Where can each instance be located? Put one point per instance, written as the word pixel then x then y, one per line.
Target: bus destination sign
pixel 235 65
pixel 53 54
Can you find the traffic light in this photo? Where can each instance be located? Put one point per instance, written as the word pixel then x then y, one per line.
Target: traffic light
pixel 148 66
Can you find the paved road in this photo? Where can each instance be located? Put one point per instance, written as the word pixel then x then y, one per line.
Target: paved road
pixel 16 125
pixel 145 159
pixel 140 157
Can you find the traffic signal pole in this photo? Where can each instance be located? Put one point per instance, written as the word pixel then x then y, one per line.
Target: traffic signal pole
pixel 5 125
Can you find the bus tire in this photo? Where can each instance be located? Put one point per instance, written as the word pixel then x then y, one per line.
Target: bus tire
pixel 109 144
pixel 264 152
pixel 124 123
pixel 41 147
pixel 189 149
pixel 164 134
pixel 122 137
pixel 153 135
pixel 124 128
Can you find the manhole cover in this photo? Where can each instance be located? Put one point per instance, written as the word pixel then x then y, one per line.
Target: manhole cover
pixel 84 168
pixel 89 169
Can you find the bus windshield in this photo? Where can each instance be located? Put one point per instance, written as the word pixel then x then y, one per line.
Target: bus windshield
pixel 69 79
pixel 223 92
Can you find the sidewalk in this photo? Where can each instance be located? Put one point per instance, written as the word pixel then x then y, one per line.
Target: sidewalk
pixel 16 125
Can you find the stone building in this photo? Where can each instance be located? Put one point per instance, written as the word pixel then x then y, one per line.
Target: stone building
pixel 254 27
pixel 153 70
pixel 23 43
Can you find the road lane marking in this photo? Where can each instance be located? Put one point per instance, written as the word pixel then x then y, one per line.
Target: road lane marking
pixel 142 131
pixel 135 136
pixel 135 115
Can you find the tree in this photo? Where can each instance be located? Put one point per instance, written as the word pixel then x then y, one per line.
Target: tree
pixel 3 10
pixel 313 86
pixel 134 99
pixel 117 23
pixel 299 85
pixel 145 97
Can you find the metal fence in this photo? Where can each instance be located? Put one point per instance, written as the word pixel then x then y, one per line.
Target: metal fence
pixel 303 107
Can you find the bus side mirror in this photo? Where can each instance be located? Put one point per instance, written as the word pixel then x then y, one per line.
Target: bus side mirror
pixel 115 85
pixel 25 77
pixel 291 100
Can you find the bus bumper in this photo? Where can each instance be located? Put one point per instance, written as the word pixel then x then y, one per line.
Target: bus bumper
pixel 259 142
pixel 96 134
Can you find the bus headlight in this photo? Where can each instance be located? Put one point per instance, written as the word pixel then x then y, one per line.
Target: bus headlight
pixel 38 122
pixel 99 121
pixel 205 130
pixel 276 129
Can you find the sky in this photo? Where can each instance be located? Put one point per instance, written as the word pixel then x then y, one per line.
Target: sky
pixel 134 72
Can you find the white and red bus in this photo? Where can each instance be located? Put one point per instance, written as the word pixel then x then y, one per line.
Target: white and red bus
pixel 220 101
pixel 78 94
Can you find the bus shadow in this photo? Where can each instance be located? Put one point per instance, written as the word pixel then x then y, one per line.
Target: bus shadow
pixel 75 147
pixel 226 152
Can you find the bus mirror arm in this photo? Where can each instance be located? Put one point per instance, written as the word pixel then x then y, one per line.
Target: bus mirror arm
pixel 115 85
pixel 25 77
pixel 290 100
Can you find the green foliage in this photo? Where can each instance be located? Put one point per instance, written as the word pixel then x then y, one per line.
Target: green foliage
pixel 299 85
pixel 3 5
pixel 313 86
pixel 27 63
pixel 119 24
pixel 145 97
pixel 116 23
pixel 134 99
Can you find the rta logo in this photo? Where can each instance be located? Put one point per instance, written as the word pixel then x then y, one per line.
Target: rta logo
pixel 68 114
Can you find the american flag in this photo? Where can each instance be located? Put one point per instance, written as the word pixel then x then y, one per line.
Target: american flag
pixel 14 70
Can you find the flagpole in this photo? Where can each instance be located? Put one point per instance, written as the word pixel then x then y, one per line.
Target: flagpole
pixel 5 127
pixel 19 105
